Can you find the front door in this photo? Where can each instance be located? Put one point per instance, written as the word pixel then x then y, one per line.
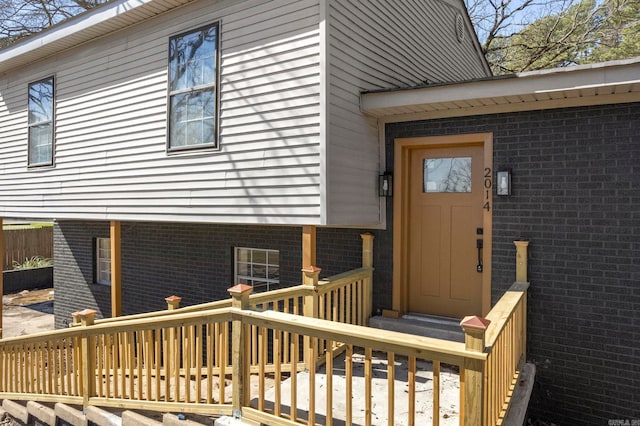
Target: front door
pixel 446 192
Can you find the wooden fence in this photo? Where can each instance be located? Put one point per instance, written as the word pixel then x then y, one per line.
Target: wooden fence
pixel 21 244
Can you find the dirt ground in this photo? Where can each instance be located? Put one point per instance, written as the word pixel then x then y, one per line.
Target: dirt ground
pixel 27 312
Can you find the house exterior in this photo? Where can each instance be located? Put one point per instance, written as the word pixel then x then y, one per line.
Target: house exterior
pixel 569 139
pixel 182 146
pixel 185 146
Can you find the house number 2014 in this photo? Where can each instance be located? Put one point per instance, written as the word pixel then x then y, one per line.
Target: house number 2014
pixel 488 183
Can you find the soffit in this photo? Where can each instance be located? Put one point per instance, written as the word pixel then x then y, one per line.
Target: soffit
pixel 112 16
pixel 609 82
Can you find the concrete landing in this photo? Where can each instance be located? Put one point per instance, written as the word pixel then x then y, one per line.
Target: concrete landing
pixel 422 325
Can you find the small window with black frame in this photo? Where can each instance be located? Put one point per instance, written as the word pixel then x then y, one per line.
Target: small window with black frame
pixel 41 122
pixel 103 261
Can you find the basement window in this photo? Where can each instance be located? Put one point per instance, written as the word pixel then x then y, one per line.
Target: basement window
pixel 103 261
pixel 259 268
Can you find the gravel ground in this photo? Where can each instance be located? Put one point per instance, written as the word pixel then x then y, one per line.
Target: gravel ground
pixel 27 312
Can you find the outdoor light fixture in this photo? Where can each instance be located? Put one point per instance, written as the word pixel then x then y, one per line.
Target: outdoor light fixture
pixel 504 182
pixel 385 184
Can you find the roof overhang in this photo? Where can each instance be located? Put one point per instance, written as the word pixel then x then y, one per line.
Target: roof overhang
pixel 595 84
pixel 105 19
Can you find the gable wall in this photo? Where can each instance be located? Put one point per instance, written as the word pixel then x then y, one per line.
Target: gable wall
pixel 380 44
pixel 110 158
pixel 576 198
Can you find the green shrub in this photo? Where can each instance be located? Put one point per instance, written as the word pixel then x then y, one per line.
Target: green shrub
pixel 34 262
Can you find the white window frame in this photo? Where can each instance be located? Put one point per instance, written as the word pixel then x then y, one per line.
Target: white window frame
pixel 250 278
pixel 103 261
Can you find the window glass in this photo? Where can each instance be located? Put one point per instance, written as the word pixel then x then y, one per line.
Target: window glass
pixel 192 89
pixel 103 261
pixel 447 174
pixel 40 105
pixel 257 267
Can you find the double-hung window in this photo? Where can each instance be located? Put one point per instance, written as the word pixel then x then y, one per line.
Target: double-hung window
pixel 103 261
pixel 193 76
pixel 41 113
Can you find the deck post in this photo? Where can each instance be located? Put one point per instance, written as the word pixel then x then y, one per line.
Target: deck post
pixel 310 310
pixel 88 348
pixel 308 246
pixel 522 248
pixel 472 393
pixel 173 302
pixel 521 260
pixel 239 338
pixel 75 319
pixel 116 269
pixel 367 262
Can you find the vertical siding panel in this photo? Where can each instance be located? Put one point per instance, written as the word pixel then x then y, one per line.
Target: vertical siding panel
pixel 379 44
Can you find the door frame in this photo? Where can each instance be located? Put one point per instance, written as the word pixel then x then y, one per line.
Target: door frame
pixel 402 154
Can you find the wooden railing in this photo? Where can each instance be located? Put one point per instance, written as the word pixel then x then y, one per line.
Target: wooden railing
pixel 505 345
pixel 227 359
pixel 183 362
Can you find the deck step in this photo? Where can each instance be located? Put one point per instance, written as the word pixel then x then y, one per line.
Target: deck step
pixel 16 410
pixel 421 325
pixel 34 413
pixel 132 418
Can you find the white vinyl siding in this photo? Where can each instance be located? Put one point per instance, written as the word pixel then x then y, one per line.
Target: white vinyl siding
pixel 380 44
pixel 111 124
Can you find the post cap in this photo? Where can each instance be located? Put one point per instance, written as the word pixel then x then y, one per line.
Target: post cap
pixel 173 299
pixel 240 289
pixel 86 312
pixel 311 270
pixel 474 323
pixel 522 243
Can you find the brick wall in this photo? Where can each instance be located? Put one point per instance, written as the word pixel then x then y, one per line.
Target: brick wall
pixel 73 248
pixel 194 261
pixel 576 197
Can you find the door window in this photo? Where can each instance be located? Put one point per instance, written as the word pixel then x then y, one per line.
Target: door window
pixel 447 174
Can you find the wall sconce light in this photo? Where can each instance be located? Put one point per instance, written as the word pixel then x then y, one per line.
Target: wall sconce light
pixel 385 184
pixel 504 182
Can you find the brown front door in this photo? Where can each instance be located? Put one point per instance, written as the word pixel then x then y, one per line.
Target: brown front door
pixel 444 230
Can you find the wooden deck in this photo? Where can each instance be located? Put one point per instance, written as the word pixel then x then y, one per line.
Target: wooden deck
pixel 264 346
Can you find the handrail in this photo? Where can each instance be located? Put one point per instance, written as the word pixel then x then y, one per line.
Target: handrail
pixel 400 343
pixel 342 279
pixel 124 325
pixel 505 347
pixel 301 290
pixel 503 310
